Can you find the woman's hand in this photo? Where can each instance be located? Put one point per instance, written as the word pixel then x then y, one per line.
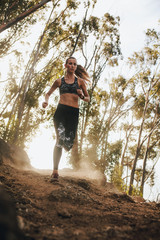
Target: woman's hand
pixel 44 104
pixel 80 93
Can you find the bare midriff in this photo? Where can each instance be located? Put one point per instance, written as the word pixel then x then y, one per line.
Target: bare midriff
pixel 69 100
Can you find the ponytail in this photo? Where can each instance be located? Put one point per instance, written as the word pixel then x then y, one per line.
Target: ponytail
pixel 80 71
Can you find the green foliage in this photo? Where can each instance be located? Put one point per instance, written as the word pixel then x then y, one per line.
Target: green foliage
pixel 113 155
pixel 135 191
pixel 72 4
pixel 10 9
pixel 139 105
pixel 116 177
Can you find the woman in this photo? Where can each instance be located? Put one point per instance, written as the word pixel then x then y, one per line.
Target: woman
pixel 71 87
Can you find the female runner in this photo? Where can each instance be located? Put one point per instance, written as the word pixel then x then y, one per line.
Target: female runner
pixel 71 87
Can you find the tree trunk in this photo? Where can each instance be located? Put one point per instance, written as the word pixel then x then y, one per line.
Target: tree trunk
pixel 125 147
pixel 138 145
pixel 25 84
pixel 144 166
pixel 79 34
pixel 28 80
pixel 146 153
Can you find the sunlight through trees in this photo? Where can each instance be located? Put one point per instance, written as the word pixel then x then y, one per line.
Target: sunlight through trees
pixel 119 128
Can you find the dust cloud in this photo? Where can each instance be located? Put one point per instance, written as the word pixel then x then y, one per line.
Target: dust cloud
pixel 86 171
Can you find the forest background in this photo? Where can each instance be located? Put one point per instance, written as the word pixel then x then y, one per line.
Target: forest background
pixel 118 42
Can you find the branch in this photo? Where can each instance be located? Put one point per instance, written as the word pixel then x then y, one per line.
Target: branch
pixel 149 174
pixel 84 21
pixel 22 15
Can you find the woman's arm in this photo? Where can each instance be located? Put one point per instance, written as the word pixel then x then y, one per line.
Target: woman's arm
pixel 55 85
pixel 83 93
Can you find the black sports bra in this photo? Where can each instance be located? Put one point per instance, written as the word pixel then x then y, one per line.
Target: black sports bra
pixel 69 88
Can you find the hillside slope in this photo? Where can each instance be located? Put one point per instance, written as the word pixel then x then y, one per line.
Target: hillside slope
pixel 76 208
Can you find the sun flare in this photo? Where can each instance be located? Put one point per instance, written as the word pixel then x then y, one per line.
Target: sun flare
pixel 40 151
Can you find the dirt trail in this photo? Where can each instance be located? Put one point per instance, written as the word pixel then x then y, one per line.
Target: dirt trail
pixel 77 208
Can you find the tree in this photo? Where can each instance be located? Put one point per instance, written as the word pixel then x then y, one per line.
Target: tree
pixel 104 50
pixel 56 37
pixel 148 80
pixel 13 10
pixel 150 147
pixel 107 108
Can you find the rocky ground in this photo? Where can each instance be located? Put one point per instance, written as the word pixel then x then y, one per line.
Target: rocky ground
pixel 76 208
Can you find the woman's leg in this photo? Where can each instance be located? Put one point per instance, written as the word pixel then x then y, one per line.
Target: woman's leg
pixel 57 153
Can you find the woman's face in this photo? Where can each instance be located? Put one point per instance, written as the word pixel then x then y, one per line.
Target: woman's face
pixel 71 65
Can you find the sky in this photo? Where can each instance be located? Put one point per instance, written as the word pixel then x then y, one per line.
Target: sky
pixel 136 16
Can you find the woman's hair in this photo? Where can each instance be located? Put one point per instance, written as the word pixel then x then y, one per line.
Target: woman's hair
pixel 80 71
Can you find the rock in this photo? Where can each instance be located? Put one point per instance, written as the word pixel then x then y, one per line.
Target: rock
pixel 64 213
pixel 69 193
pixel 84 184
pixel 138 199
